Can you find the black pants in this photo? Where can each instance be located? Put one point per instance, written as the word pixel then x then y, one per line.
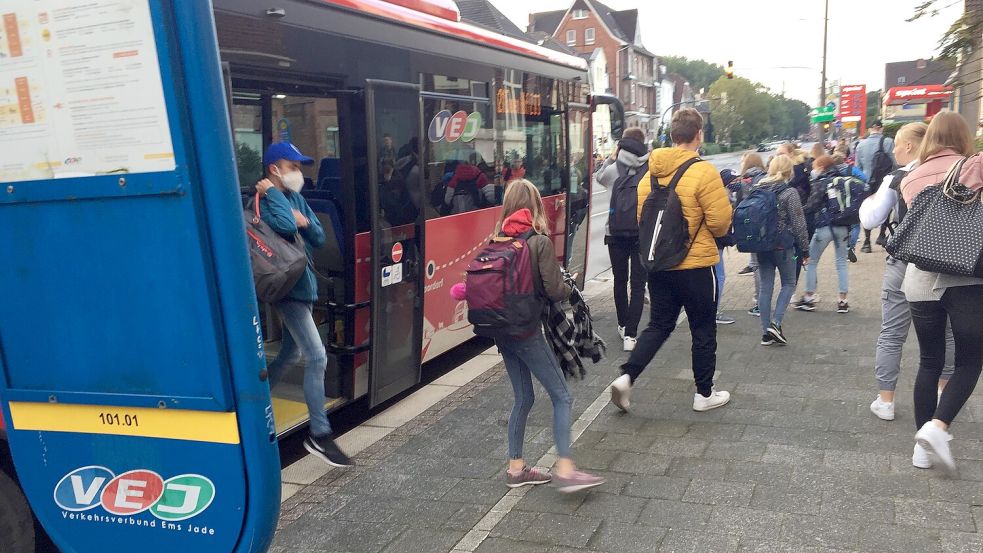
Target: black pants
pixel 867 234
pixel 626 264
pixel 694 290
pixel 962 305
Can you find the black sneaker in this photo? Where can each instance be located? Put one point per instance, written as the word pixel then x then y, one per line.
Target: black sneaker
pixel 776 332
pixel 881 241
pixel 805 305
pixel 851 255
pixel 754 311
pixel 843 307
pixel 749 270
pixel 324 448
pixel 866 248
pixel 767 340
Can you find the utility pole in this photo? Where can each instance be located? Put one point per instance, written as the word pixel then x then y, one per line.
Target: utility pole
pixel 822 87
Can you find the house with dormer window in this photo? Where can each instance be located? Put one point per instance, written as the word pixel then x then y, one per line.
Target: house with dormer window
pixel 632 71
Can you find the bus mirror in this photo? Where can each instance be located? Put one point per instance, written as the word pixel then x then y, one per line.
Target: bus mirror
pixel 616 110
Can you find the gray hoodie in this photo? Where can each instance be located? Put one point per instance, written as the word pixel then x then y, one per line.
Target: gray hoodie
pixel 610 171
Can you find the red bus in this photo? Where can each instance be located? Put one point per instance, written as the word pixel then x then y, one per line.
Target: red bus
pixel 415 121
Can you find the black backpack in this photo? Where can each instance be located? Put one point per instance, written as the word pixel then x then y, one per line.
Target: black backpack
pixel 663 231
pixel 470 188
pixel 623 208
pixel 882 166
pixel 902 206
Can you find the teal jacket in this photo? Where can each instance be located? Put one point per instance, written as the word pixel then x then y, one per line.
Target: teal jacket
pixel 276 209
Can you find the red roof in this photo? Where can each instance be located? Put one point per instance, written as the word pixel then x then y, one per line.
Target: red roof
pixel 438 16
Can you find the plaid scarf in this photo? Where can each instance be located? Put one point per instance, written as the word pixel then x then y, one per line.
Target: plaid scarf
pixel 572 334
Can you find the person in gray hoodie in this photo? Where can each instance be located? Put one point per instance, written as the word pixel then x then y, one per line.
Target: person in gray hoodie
pixel 620 175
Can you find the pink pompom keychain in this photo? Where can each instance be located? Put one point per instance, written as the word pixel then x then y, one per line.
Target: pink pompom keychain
pixel 458 291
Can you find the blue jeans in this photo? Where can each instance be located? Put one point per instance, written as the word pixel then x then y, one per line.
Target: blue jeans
pixel 301 340
pixel 721 277
pixel 854 235
pixel 839 236
pixel 524 358
pixel 785 262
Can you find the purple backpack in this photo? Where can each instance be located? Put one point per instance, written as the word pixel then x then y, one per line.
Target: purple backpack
pixel 501 295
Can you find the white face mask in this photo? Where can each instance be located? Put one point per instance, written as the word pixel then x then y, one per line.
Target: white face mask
pixel 293 181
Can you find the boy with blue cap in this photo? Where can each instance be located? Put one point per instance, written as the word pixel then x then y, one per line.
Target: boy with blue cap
pixel 283 208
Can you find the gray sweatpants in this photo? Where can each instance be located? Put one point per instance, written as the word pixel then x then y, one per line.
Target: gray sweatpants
pixel 895 323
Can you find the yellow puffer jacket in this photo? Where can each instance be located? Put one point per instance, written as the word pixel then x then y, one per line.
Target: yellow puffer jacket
pixel 704 199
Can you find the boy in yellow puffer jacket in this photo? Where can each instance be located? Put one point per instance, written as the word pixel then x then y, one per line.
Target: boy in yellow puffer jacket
pixel 691 285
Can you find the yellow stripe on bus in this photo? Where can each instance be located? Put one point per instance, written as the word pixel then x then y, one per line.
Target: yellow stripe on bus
pixel 175 424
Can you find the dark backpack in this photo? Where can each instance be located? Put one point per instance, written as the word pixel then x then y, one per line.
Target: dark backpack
pixel 437 197
pixel 277 263
pixel 898 176
pixel 623 208
pixel 756 222
pixel 843 198
pixel 501 295
pixel 470 188
pixel 882 166
pixel 663 231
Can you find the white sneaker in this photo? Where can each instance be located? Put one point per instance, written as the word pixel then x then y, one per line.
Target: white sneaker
pixel 716 399
pixel 936 444
pixel 883 410
pixel 621 331
pixel 621 392
pixel 920 458
pixel 630 343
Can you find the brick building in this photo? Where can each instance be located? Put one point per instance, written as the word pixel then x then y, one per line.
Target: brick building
pixel 632 70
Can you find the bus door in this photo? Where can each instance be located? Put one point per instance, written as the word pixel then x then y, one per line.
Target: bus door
pixel 579 194
pixel 396 192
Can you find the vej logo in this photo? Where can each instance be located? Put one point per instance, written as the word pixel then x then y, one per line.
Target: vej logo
pixel 453 127
pixel 134 492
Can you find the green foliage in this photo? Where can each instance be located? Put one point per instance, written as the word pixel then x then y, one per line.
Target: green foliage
pixel 891 129
pixel 699 73
pixel 712 149
pixel 979 143
pixel 249 165
pixel 873 105
pixel 752 114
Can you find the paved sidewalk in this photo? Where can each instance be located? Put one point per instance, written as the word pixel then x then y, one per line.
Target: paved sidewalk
pixel 796 462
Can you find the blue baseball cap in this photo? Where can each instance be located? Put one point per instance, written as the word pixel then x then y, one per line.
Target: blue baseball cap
pixel 287 151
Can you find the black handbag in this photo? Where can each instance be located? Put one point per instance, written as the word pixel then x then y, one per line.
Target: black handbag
pixel 277 263
pixel 942 232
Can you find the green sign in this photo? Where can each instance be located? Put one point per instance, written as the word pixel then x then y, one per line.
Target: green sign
pixel 823 114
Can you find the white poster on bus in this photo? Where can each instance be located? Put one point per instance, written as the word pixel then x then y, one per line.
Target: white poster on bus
pixel 80 90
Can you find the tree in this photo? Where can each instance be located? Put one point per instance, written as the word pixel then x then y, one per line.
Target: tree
pixel 962 40
pixel 873 105
pixel 699 73
pixel 744 117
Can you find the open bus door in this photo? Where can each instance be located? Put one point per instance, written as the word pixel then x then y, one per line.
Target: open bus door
pixel 396 190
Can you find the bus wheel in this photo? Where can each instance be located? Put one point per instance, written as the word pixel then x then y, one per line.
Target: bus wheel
pixel 16 522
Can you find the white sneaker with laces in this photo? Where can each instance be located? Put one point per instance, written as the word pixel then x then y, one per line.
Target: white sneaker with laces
pixel 883 410
pixel 936 444
pixel 716 399
pixel 621 392
pixel 630 342
pixel 920 458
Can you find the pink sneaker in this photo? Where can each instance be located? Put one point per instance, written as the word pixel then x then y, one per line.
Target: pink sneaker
pixel 576 481
pixel 529 476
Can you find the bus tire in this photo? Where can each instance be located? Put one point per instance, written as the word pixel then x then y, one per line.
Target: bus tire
pixel 16 521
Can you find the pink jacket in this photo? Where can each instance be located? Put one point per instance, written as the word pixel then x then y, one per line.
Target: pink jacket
pixel 928 174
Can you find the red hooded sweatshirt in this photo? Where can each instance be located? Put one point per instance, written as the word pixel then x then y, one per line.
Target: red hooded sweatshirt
pixel 517 223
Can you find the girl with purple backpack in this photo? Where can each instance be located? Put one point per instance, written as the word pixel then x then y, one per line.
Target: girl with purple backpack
pixel 528 355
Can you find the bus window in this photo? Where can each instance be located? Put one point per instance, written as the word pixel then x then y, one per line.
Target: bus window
pixel 460 169
pixel 247 131
pixel 311 124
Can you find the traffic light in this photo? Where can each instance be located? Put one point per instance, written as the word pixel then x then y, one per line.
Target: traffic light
pixel 730 70
pixel 825 126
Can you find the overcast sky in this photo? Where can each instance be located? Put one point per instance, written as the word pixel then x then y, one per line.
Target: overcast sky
pixel 761 36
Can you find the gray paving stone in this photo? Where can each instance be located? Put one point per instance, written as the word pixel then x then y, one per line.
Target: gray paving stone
pixel 561 530
pixel 673 514
pixel 857 461
pixel 961 542
pixel 792 455
pixel 355 537
pixel 415 540
pixel 502 545
pixel 611 507
pixel 760 473
pixel 657 487
pixel 679 447
pixel 736 451
pixel 755 523
pixel 686 467
pixel 617 537
pixel 484 492
pixel 881 537
pixel 512 524
pixel 715 492
pixel 934 514
pixel 683 541
pixel 625 442
pixel 855 506
pixel 756 545
pixel 820 531
pixel 639 463
pixel 544 499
